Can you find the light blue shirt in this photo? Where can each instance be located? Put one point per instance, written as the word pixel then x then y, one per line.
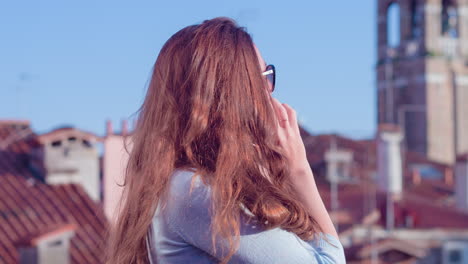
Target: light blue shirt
pixel 181 234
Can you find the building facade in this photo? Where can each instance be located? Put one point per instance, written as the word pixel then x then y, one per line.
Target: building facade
pixel 422 74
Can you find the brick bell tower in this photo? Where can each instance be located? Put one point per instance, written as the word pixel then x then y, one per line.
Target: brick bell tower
pixel 422 74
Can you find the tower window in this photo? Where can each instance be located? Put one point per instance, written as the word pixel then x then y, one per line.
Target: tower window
pixel 72 139
pixel 416 21
pixel 449 19
pixel 393 25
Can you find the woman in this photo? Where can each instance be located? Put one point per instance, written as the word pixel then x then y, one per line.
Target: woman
pixel 218 171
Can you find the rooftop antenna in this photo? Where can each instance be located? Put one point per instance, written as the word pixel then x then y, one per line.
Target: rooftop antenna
pixel 334 188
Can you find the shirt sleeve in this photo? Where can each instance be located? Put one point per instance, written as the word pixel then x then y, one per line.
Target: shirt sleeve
pixel 189 216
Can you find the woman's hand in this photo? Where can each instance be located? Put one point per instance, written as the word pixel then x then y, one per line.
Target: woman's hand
pixel 289 138
pixel 300 172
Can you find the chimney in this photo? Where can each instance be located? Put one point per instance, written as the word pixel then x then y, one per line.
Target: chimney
pixel 124 127
pixel 389 164
pixel 114 162
pixel 461 182
pixel 49 247
pixel 389 168
pixel 339 163
pixel 109 128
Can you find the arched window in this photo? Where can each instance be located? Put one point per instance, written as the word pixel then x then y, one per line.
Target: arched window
pixel 416 20
pixel 393 25
pixel 449 19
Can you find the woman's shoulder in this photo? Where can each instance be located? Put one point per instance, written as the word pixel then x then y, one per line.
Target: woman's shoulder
pixel 189 216
pixel 185 183
pixel 187 194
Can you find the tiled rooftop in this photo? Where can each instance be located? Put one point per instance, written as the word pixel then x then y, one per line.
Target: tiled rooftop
pixel 29 207
pixel 429 201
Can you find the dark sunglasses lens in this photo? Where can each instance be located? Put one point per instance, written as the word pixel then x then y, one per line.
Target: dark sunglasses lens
pixel 271 77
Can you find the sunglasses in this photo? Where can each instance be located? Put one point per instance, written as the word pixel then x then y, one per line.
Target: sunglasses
pixel 270 73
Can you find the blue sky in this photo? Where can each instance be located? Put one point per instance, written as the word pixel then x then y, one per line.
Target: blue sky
pixel 82 62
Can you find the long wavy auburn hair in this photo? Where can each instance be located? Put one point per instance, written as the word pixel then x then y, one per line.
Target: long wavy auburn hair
pixel 207 107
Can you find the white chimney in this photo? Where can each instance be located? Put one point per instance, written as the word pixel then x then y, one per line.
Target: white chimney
pixel 339 163
pixel 461 182
pixel 389 167
pixel 49 247
pixel 69 156
pixel 389 164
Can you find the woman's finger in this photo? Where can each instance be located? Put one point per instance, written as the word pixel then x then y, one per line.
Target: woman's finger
pixel 292 116
pixel 282 114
